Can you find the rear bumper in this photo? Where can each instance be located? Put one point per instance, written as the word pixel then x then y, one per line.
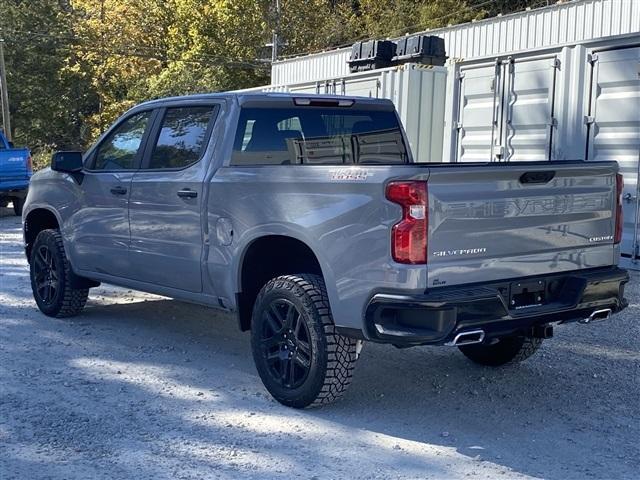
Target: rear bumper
pixel 435 317
pixel 14 189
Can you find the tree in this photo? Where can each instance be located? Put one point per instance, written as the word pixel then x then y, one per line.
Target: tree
pixel 396 18
pixel 213 45
pixel 120 45
pixel 49 104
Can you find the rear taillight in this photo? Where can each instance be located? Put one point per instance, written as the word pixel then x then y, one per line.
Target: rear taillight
pixel 29 164
pixel 409 235
pixel 617 236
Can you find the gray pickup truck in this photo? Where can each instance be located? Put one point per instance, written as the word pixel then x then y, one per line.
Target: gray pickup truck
pixel 308 218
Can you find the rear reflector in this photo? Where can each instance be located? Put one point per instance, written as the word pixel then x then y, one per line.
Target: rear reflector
pixel 617 236
pixel 409 235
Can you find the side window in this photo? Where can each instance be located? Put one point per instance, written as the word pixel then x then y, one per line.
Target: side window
pixel 182 137
pixel 119 150
pixel 267 137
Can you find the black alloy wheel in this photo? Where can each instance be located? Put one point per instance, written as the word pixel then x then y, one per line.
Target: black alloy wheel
pixel 285 343
pixel 301 358
pixel 51 277
pixel 46 275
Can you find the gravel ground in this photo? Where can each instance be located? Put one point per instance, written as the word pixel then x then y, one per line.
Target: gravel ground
pixel 140 386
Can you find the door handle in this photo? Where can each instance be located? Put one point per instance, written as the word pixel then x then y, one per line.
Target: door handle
pixel 119 190
pixel 187 193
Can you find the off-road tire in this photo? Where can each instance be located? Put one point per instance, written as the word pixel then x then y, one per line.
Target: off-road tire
pixel 332 357
pixel 507 350
pixel 18 203
pixel 66 301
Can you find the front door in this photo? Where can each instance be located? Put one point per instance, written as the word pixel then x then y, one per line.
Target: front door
pixel 100 229
pixel 167 197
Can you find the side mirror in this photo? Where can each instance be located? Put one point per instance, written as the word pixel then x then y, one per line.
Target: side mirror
pixel 69 162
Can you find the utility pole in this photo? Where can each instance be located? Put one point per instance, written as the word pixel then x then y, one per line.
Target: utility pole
pixel 274 38
pixel 4 94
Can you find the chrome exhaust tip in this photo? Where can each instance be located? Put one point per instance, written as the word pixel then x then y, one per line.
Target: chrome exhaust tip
pixel 467 338
pixel 597 316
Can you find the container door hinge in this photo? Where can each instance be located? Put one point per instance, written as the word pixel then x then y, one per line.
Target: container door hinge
pixel 555 63
pixel 553 122
pixel 460 75
pixel 592 58
pixel 588 119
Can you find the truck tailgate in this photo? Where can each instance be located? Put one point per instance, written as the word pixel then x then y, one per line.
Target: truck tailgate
pixel 13 164
pixel 502 221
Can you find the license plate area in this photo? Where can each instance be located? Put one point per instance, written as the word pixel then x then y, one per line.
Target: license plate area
pixel 527 294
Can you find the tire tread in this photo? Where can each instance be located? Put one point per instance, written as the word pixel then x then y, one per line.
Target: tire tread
pixel 341 350
pixel 509 351
pixel 73 299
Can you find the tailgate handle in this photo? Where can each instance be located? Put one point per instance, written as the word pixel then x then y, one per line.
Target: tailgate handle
pixel 537 177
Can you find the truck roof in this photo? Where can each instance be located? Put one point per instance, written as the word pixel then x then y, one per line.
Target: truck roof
pixel 245 97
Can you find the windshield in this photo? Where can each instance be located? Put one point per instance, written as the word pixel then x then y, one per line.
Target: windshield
pixel 318 136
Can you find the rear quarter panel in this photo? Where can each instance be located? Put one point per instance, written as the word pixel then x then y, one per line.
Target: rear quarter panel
pixel 346 222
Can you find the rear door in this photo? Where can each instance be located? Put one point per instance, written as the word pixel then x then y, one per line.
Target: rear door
pixel 614 128
pixel 167 197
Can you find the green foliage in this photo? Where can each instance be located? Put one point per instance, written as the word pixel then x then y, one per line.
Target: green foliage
pixel 49 103
pixel 41 158
pixel 76 65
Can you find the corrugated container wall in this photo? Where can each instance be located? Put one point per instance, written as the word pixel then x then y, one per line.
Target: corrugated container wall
pixel 571 22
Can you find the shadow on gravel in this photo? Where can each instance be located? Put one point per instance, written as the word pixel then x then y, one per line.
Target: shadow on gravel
pixel 547 417
pixel 172 391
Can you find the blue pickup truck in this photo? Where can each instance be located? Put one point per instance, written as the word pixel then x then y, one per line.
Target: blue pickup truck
pixel 15 173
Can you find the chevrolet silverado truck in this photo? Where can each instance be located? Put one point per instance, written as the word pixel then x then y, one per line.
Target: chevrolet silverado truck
pixel 307 217
pixel 15 172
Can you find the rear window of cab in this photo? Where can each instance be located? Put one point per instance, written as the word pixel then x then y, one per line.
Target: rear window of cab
pixel 318 136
